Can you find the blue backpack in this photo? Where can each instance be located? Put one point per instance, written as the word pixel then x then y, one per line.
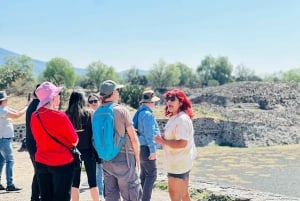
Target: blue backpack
pixel 107 142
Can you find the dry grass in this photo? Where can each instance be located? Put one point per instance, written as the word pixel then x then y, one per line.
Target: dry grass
pixel 18 102
pixel 198 110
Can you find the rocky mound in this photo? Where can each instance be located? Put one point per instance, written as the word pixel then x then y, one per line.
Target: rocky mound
pixel 259 113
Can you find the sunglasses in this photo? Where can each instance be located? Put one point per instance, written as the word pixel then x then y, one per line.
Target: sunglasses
pixel 93 101
pixel 170 98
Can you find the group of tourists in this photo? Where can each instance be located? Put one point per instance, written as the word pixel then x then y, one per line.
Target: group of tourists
pixel 126 169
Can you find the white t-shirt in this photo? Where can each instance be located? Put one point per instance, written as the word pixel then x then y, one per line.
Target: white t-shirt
pixel 6 125
pixel 179 160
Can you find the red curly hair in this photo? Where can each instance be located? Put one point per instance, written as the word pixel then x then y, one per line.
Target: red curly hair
pixel 186 103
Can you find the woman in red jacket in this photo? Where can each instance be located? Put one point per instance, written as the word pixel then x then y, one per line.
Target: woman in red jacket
pixel 54 162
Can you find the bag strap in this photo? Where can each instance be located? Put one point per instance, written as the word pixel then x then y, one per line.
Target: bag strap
pixel 55 139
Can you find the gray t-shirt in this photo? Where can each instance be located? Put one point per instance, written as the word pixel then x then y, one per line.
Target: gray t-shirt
pixel 6 125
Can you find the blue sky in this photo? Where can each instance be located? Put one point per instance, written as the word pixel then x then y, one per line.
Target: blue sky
pixel 263 35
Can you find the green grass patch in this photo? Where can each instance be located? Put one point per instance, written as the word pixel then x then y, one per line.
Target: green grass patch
pixel 196 194
pixel 161 185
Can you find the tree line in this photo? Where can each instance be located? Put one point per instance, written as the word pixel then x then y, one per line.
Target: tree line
pixel 16 74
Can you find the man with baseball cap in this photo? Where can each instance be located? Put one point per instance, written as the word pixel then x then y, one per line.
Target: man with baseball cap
pixel 108 87
pixel 6 137
pixel 121 173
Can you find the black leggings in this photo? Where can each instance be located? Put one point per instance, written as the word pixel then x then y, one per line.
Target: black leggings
pixel 55 181
pixel 88 158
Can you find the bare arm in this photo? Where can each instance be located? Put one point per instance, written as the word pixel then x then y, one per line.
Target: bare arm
pixel 135 143
pixel 171 143
pixel 13 114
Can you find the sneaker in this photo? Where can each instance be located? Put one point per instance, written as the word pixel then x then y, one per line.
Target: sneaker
pixel 2 187
pixel 12 188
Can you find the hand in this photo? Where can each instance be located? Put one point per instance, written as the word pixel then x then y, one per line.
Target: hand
pixel 159 139
pixel 152 156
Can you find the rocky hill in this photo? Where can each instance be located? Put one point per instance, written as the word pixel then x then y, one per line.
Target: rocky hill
pixel 253 113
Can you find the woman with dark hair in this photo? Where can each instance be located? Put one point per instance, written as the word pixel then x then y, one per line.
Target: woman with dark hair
pixel 95 101
pixel 80 116
pixel 178 143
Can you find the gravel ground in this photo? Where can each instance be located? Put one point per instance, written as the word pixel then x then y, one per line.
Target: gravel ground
pixel 273 170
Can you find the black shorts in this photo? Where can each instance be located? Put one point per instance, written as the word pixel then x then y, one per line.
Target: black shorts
pixel 180 176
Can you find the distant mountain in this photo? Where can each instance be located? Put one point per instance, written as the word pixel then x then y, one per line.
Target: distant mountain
pixel 38 66
pixel 124 72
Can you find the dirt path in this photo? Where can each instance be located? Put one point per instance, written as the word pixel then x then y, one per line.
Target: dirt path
pixel 265 169
pixel 23 176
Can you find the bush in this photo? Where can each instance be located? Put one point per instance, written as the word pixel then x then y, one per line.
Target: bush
pixel 132 95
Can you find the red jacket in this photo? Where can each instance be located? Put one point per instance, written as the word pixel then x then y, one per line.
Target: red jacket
pixel 57 123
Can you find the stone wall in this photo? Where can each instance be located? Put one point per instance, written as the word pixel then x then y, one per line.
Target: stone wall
pixel 20 132
pixel 229 133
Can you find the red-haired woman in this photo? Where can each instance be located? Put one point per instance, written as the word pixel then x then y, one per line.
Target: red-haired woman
pixel 178 143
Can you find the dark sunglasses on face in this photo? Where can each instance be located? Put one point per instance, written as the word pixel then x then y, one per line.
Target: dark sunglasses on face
pixel 170 98
pixel 93 101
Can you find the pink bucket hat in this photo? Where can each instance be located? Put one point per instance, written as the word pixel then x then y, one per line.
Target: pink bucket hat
pixel 46 92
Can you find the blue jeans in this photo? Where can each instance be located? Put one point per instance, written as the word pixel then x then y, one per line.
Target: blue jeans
pixel 148 173
pixel 2 160
pixel 7 157
pixel 99 178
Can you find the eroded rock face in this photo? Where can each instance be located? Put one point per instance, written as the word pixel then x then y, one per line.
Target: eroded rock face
pixel 253 114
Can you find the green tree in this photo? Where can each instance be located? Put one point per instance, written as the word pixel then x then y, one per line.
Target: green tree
pixel 163 75
pixel 60 72
pixel 205 69
pixel 133 77
pixel 274 77
pixel 16 68
pixel 211 70
pixel 242 73
pixel 131 95
pixel 292 75
pixel 97 72
pixel 222 70
pixel 187 77
pixel 84 82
